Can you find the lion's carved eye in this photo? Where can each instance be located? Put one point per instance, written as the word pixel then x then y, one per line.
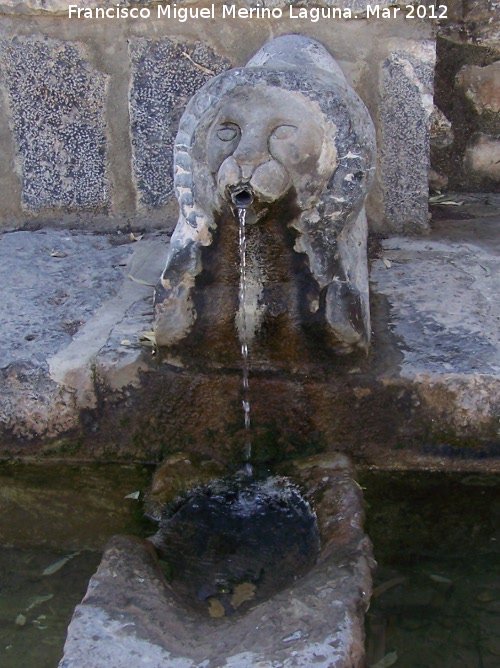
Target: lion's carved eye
pixel 228 132
pixel 284 132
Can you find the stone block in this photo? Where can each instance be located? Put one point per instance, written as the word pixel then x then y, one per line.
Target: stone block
pixel 406 103
pixel 448 336
pixel 132 183
pixel 165 75
pixel 76 383
pixel 481 86
pixel 65 298
pixel 56 101
pixel 479 18
pixel 482 157
pixel 467 92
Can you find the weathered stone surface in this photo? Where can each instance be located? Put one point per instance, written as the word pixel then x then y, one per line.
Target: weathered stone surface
pixel 466 88
pixel 441 139
pixel 288 135
pixel 481 86
pixel 56 103
pixel 482 157
pixel 125 196
pixel 448 336
pixel 406 104
pixel 472 23
pixel 68 297
pixel 176 475
pixel 479 18
pixel 164 76
pixel 429 386
pixel 441 130
pixel 437 181
pixel 129 611
pixel 468 329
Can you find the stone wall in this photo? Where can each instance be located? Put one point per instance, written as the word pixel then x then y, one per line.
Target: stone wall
pixel 89 106
pixel 465 149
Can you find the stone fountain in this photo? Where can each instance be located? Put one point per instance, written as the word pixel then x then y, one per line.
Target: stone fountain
pixel 264 568
pixel 288 138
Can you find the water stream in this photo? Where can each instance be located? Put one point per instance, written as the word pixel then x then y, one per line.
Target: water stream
pixel 244 336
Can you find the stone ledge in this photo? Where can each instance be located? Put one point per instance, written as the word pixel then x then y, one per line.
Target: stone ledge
pixel 129 612
pixel 428 395
pixel 69 309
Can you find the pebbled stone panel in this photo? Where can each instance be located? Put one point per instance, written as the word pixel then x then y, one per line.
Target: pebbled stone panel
pixel 406 104
pixel 165 76
pixel 57 107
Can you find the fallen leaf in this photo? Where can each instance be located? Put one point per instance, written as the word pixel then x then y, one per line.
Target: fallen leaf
pixel 385 586
pixel 388 660
pixel 442 200
pixel 38 600
pixel 492 649
pixel 215 608
pixel 140 281
pixel 134 237
pixel 441 579
pixel 147 339
pixel 485 596
pixel 56 566
pixel 133 495
pixel 200 67
pixel 242 592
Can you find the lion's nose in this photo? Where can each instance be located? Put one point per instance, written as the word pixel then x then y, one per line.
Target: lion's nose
pixel 247 171
pixel 249 154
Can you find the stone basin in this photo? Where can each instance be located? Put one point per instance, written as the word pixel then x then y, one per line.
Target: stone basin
pixel 130 610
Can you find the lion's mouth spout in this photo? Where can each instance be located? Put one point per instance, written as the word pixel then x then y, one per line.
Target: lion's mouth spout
pixel 242 197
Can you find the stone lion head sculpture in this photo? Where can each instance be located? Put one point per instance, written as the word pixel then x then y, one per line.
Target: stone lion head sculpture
pixel 286 123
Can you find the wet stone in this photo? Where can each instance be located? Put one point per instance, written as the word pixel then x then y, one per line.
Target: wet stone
pixel 130 610
pixel 481 87
pixel 238 541
pixel 174 479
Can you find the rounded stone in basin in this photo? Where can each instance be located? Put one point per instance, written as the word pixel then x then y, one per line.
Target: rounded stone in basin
pixel 238 541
